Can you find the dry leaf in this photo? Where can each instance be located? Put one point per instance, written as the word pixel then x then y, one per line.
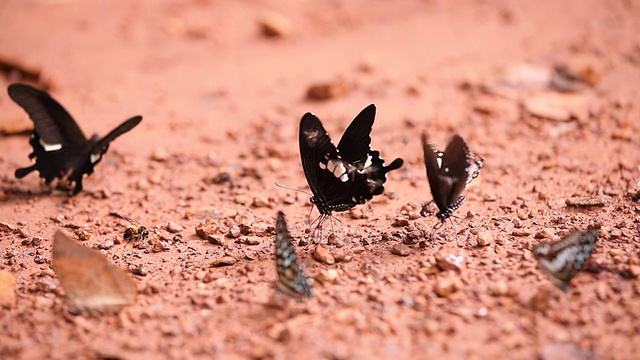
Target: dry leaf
pixel 90 281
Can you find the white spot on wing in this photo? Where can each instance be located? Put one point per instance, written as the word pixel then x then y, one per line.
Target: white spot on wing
pixel 95 158
pixel 50 147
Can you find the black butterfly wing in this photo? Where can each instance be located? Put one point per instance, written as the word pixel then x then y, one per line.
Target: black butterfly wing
pixel 453 171
pixel 101 146
pixel 53 123
pixel 440 186
pixel 354 146
pixel 316 149
pixel 292 280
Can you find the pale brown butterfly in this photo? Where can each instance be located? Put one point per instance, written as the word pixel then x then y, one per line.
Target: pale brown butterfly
pixel 91 283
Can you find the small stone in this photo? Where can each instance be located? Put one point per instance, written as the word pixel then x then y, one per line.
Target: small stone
pixel 500 288
pixel 545 234
pixel 446 286
pixel 342 256
pixel 83 234
pixel 7 227
pixel 224 261
pixel 400 249
pixel 234 232
pixel 260 202
pixel 335 241
pixel 634 270
pixel 328 276
pixel 357 214
pixel 160 155
pixel 274 25
pixel 400 222
pixel 451 259
pixel 106 245
pixel 322 253
pixel 489 197
pixel 215 240
pixel 174 228
pixel 584 201
pixel 484 238
pixel 207 228
pixel 7 293
pixel 326 91
pixel 140 270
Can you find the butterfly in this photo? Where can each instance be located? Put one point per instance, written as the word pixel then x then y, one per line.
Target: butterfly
pixel 91 283
pixel 449 173
pixel 292 280
pixel 343 177
pixel 135 230
pixel 563 259
pixel 60 148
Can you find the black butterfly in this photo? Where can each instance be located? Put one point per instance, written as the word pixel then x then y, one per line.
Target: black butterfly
pixel 292 280
pixel 60 148
pixel 343 177
pixel 562 260
pixel 449 172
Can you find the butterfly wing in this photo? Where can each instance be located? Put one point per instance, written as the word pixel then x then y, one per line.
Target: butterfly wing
pixel 453 171
pixel 53 123
pixel 354 146
pixel 440 186
pixel 321 163
pixel 562 260
pixel 292 280
pixel 90 281
pixel 101 145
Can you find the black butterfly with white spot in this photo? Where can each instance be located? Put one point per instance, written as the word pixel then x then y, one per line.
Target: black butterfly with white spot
pixel 562 260
pixel 449 173
pixel 60 148
pixel 343 177
pixel 292 280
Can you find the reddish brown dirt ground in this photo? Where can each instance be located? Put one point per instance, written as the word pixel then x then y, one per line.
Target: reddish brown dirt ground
pixel 217 95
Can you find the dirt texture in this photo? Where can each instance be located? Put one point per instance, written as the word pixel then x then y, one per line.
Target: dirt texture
pixel 545 91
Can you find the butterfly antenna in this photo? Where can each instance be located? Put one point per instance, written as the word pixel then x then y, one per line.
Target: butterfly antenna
pixel 292 189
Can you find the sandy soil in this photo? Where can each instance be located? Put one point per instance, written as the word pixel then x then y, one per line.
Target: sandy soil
pixel 218 96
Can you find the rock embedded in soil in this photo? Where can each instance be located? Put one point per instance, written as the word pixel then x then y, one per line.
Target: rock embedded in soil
pixel 140 270
pixel 174 227
pixel 322 253
pixel 447 286
pixel 224 261
pixel 451 259
pixel 484 238
pixel 274 25
pixel 7 227
pixel 7 293
pixel 401 249
pixel 207 228
pixel 586 201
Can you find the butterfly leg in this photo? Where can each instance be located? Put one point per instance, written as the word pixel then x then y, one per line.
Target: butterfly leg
pixel 425 209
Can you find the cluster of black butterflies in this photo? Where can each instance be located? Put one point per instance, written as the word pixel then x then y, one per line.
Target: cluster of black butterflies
pixel 339 177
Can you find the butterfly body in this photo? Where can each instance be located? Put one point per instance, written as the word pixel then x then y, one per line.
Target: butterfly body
pixel 60 148
pixel 449 173
pixel 292 281
pixel 347 175
pixel 562 260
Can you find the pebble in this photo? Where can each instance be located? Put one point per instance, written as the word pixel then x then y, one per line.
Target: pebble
pixel 160 154
pixel 500 288
pixel 224 261
pixel 234 232
pixel 207 228
pixel 260 202
pixel 140 270
pixel 216 240
pixel 634 270
pixel 322 253
pixel 446 286
pixel 326 91
pixel 174 228
pixel 6 227
pixel 7 293
pixel 342 256
pixel 400 250
pixel 451 259
pixel 335 241
pixel 583 201
pixel 328 276
pixel 274 25
pixel 106 245
pixel 545 234
pixel 400 222
pixel 485 238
